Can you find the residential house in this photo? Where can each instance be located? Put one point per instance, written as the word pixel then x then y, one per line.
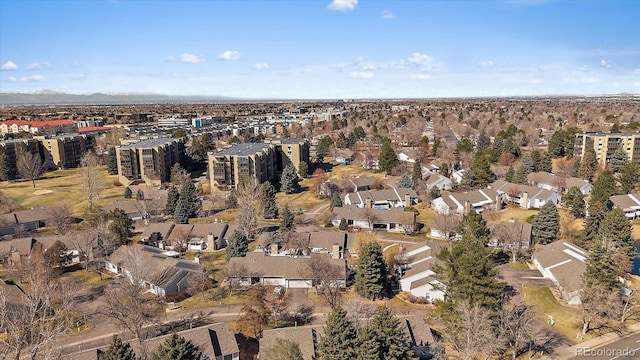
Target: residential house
pixel 552 182
pixel 24 220
pixel 438 181
pixel 417 331
pixel 417 275
pixel 156 233
pixel 430 168
pixel 344 156
pixel 629 203
pixel 394 219
pixel 164 274
pixel 354 184
pixel 277 270
pixel 408 155
pixel 511 235
pixel 525 196
pixel 563 263
pixel 14 250
pixel 202 237
pixel 382 199
pixel 307 338
pixel 460 203
pixel 134 209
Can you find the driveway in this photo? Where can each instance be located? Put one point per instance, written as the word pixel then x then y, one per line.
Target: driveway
pixel 522 277
pixel 297 297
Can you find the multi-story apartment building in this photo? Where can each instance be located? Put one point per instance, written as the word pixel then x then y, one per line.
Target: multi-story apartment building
pixel 12 148
pixel 148 160
pixel 605 144
pixel 48 127
pixel 290 151
pixel 66 151
pixel 242 162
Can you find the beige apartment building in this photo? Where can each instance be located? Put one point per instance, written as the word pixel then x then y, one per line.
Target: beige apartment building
pixel 241 162
pixel 290 151
pixel 148 160
pixel 66 151
pixel 605 144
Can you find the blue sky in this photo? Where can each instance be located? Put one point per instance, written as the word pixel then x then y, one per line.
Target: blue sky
pixel 321 48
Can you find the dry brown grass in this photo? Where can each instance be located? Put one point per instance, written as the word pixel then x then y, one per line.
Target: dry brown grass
pixel 636 229
pixel 60 186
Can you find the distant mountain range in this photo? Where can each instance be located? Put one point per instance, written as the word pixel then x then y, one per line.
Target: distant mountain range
pixel 48 97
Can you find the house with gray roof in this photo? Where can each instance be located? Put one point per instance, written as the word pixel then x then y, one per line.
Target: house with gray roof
pixel 525 196
pixel 23 220
pixel 383 199
pixel 394 219
pixel 563 263
pixel 555 183
pixel 307 338
pixel 629 203
pixel 460 203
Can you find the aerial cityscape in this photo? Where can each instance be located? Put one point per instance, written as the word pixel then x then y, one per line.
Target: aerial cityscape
pixel 319 180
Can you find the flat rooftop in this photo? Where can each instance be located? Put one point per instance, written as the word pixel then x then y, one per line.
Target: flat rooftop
pixel 149 143
pixel 244 149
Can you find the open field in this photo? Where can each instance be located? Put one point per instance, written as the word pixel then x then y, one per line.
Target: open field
pixel 61 186
pixel 566 319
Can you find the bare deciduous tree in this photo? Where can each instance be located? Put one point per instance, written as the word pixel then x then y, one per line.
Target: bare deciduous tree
pixel 520 329
pixel 446 223
pixel 248 198
pixel 59 216
pixel 91 182
pixel 360 312
pixel 7 203
pixel 29 166
pixel 370 216
pixel 471 331
pixel 234 274
pixel 85 243
pixel 326 278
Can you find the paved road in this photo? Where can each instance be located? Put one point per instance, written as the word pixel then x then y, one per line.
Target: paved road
pixel 626 348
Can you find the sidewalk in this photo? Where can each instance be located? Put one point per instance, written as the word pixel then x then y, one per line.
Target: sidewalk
pixel 570 352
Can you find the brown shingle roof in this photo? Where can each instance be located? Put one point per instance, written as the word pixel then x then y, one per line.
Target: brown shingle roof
pixel 260 264
pixel 307 338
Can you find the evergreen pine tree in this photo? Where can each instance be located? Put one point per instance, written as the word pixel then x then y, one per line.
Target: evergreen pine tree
pixel 339 341
pixel 371 274
pixel 178 173
pixel 510 174
pixel 303 170
pixel 177 348
pixel 618 158
pixel 387 159
pixel 237 246
pixel 268 197
pixel 545 164
pixel 536 157
pixel 336 200
pixel 128 193
pixel 112 162
pixel 288 219
pixel 483 141
pixel 556 144
pixel 284 349
pixel 603 188
pixel 369 348
pixel 469 273
pixel 601 267
pixel 5 168
pixel 289 180
pixel 139 194
pixel 573 200
pixel 520 176
pixel 121 226
pixel 592 222
pixel 181 212
pixel 384 329
pixel 546 224
pixel 468 180
pixel 617 228
pixel 588 165
pixel 189 196
pixel 434 193
pixel 482 170
pixel 527 163
pixel 405 181
pixel 629 177
pixel 474 226
pixel 416 174
pixel 172 199
pixel 343 224
pixel 118 350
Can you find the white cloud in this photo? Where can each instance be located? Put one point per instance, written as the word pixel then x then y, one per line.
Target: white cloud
pixel 636 71
pixel 387 14
pixel 33 78
pixel 78 77
pixel 360 75
pixel 420 59
pixel 261 66
pixel 419 77
pixel 589 80
pixel 191 59
pixel 229 55
pixel 37 65
pixel 170 58
pixel 12 78
pixel 486 63
pixel 342 5
pixel 9 65
pixel 605 63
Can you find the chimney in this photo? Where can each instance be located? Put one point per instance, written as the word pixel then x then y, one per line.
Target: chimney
pixel 211 242
pixel 368 203
pixel 498 202
pixel 467 207
pixel 407 200
pixel 274 249
pixel 335 252
pixel 525 200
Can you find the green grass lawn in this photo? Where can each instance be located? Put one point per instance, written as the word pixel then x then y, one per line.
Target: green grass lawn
pixel 567 319
pixel 61 186
pixel 89 277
